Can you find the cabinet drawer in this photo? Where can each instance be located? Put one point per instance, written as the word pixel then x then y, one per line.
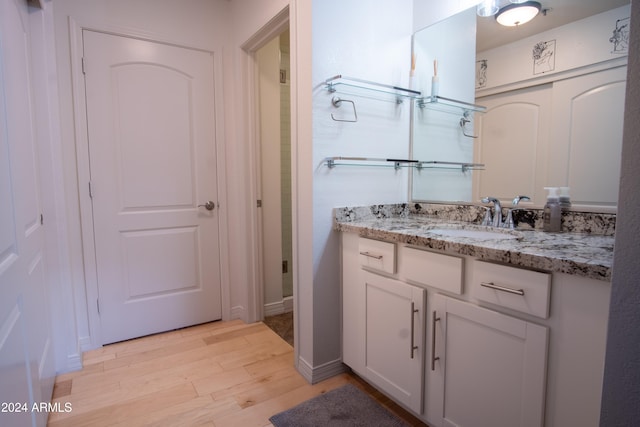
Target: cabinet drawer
pixel 431 269
pixel 377 255
pixel 515 288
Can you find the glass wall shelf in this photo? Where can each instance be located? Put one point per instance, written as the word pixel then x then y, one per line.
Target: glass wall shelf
pixel 449 105
pixel 435 164
pixel 366 88
pixel 332 162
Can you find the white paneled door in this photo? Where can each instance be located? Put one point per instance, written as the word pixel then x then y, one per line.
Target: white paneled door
pixel 26 351
pixel 152 149
pixel 588 117
pixel 514 137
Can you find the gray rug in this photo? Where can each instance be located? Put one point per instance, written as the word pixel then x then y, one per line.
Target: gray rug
pixel 344 406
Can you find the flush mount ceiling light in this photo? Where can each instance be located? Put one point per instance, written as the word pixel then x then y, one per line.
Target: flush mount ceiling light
pixel 518 13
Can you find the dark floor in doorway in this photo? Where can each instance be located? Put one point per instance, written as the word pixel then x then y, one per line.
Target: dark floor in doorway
pixel 282 324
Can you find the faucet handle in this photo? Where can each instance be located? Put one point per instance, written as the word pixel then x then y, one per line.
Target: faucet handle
pixel 509 223
pixel 487 220
pixel 517 199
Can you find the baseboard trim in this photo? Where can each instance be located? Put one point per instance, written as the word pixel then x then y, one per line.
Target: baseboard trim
pixel 288 304
pixel 237 312
pixel 85 344
pixel 325 371
pixel 74 363
pixel 275 308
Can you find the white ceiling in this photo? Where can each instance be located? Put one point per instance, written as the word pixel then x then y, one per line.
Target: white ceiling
pixel 490 34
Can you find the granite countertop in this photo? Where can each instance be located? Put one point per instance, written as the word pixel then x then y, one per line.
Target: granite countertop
pixel 582 254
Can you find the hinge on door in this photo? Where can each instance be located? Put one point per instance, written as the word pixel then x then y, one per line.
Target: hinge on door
pixel 259 203
pixel 83 69
pixel 285 266
pixel 98 305
pixel 90 191
pixel 41 219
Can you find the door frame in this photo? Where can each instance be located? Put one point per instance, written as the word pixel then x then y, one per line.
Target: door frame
pixel 83 171
pixel 255 291
pixel 291 15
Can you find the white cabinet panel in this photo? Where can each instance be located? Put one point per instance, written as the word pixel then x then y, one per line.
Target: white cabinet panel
pixel 353 307
pixel 491 367
pixel 515 288
pixel 394 340
pixel 378 255
pixel 431 269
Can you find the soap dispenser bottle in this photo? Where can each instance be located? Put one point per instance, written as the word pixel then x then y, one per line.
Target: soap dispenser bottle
pixel 552 214
pixel 563 198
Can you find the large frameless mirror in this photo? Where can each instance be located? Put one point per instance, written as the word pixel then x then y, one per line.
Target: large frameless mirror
pixel 553 90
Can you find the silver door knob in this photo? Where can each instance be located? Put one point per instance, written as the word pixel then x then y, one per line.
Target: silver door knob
pixel 208 206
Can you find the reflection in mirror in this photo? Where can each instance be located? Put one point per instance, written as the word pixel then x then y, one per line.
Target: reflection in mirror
pixel 554 101
pixel 437 133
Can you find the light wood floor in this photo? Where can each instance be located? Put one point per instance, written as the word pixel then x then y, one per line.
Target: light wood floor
pixel 217 374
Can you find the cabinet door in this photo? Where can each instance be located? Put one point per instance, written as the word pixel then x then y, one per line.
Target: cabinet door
pixel 586 134
pixel 491 368
pixel 394 343
pixel 513 136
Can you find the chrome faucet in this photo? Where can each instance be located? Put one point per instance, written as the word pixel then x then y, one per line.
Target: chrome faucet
pixel 497 210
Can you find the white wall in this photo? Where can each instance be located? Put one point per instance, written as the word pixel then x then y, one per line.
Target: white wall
pixel 428 12
pixel 578 44
pixel 370 41
pixel 621 388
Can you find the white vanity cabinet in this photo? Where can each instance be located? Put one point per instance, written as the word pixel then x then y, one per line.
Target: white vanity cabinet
pixel 489 369
pixel 497 345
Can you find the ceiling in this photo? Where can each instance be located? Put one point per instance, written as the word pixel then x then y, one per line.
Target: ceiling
pixel 490 34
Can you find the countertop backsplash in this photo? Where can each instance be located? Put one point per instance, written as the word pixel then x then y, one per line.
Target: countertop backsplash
pixel 572 221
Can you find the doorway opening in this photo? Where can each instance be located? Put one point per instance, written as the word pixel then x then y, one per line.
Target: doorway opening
pixel 274 120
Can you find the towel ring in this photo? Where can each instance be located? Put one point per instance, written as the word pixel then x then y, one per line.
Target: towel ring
pixel 336 101
pixel 463 122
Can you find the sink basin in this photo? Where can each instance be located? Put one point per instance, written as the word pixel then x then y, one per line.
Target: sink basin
pixel 472 233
